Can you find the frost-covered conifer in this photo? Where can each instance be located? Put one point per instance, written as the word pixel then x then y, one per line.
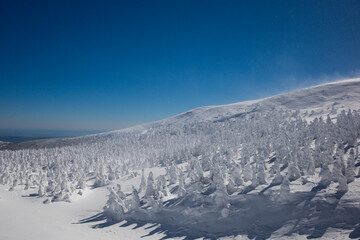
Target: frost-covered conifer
pixel 293 172
pixel 247 173
pixel 285 190
pixel 111 174
pixel 150 188
pixel 100 181
pixel 349 172
pixel 27 184
pixel 325 176
pixel 114 208
pixel 278 179
pixel 143 182
pixel 50 187
pixel 64 185
pixel 181 190
pixel 41 191
pixel 261 176
pixel 135 200
pixel 119 192
pixel 236 176
pixel 230 187
pixel 218 179
pixel 254 180
pixel 162 186
pixel 311 165
pixel 342 187
pixel 82 183
pixel 173 177
pixel 336 172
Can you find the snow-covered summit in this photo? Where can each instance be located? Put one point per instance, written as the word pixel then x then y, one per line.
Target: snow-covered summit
pixel 343 94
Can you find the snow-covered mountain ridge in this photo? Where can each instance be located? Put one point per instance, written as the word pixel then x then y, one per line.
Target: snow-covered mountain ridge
pixel 212 172
pixel 343 94
pixel 328 98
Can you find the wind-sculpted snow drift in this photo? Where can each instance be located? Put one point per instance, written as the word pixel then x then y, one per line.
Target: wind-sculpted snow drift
pixel 274 167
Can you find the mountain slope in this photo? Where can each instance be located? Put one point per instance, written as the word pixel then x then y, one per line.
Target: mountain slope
pixel 211 172
pixel 323 99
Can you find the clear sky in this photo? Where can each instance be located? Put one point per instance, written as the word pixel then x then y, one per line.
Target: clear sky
pixel 102 65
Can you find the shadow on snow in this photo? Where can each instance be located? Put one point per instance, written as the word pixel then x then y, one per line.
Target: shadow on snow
pixel 256 216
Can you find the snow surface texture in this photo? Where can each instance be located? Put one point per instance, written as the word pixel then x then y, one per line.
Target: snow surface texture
pixel 281 167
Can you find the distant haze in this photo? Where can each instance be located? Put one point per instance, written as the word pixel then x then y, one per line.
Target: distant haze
pixel 16 135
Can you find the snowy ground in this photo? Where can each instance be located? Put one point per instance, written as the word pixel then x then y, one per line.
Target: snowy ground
pixel 25 216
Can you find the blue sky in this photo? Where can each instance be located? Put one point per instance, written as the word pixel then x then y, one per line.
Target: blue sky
pixel 102 65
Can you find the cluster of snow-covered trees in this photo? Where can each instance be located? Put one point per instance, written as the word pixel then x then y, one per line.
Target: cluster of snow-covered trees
pixel 232 155
pixel 270 150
